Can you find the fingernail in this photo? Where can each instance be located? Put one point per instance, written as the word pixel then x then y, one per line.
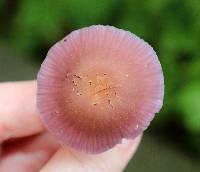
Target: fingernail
pixel 126 144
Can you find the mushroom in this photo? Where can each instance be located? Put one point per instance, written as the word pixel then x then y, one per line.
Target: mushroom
pixel 97 86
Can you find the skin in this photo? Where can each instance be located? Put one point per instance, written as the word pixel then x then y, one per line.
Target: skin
pixel 25 145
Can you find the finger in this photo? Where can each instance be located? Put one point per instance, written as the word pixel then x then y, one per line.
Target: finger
pixel 66 160
pixel 18 114
pixel 27 154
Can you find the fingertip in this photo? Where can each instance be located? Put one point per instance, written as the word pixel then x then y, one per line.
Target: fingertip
pixel 115 159
pixel 18 113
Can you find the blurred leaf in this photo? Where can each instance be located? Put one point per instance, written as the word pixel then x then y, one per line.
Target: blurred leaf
pixel 136 18
pixel 189 104
pixel 156 5
pixel 1 4
pixel 44 22
pixel 88 12
pixel 194 69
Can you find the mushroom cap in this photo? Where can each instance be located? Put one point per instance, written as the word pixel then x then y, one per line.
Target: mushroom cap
pixel 98 85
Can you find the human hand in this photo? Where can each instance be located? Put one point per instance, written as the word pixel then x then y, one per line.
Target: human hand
pixel 26 146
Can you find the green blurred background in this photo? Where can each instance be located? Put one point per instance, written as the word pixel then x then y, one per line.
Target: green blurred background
pixel 28 28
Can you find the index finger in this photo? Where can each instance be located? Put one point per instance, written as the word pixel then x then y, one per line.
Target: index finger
pixel 18 113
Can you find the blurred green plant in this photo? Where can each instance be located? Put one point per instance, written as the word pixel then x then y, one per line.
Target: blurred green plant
pixel 172 27
pixel 1 4
pixel 189 104
pixel 38 23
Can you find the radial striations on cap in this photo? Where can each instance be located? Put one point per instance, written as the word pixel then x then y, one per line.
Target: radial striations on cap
pixel 97 86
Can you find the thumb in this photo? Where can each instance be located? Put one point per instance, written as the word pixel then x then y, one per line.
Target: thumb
pixel 115 159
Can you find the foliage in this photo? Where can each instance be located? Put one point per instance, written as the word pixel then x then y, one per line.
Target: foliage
pixel 38 23
pixel 188 101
